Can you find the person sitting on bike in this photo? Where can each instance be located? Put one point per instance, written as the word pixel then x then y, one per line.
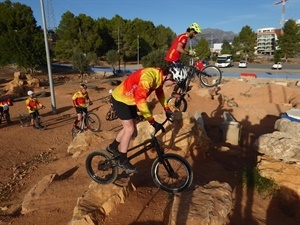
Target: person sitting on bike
pixel 131 95
pixel 178 47
pixel 33 105
pixel 80 101
pixel 4 109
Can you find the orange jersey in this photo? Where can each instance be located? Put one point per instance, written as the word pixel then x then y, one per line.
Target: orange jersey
pixel 32 104
pixel 80 98
pixel 173 54
pixel 135 89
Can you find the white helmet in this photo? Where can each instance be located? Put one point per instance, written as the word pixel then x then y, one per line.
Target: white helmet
pixel 178 71
pixel 30 93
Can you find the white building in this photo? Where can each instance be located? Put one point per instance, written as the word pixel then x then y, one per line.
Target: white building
pixel 265 37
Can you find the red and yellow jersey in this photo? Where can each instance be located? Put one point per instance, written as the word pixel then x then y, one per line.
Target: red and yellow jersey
pixel 135 89
pixel 6 102
pixel 173 54
pixel 80 99
pixel 32 104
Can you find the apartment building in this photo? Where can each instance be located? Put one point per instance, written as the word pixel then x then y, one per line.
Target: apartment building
pixel 266 40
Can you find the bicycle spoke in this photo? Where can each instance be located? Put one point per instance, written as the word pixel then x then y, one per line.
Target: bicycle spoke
pixel 93 122
pixel 210 76
pixel 101 168
pixel 173 174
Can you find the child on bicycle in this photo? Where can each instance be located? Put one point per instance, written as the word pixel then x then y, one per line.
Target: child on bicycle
pixel 33 105
pixel 4 109
pixel 80 101
pixel 131 95
pixel 178 47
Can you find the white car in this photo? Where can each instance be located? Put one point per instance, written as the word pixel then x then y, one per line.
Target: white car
pixel 277 66
pixel 242 64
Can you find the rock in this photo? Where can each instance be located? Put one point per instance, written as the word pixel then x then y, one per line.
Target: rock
pixel 185 136
pixel 207 205
pixel 34 194
pixel 280 161
pixel 97 202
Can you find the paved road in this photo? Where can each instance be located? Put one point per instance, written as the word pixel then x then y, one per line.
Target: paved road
pixel 291 71
pixel 264 69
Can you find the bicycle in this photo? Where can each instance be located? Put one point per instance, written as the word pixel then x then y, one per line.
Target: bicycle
pixel 91 120
pixel 25 119
pixel 5 115
pixel 170 172
pixel 111 114
pixel 209 76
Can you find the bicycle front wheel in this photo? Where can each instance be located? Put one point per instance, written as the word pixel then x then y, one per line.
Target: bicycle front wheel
pixel 101 167
pixel 24 119
pixel 172 174
pixel 210 76
pixel 177 104
pixel 40 123
pixel 93 122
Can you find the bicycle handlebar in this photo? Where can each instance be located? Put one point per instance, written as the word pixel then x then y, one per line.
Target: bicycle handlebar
pixel 163 123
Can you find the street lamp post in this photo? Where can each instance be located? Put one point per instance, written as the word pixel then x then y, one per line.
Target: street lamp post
pixel 138 51
pixel 48 59
pixel 119 48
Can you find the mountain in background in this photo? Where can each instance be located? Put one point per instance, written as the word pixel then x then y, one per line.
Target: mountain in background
pixel 217 35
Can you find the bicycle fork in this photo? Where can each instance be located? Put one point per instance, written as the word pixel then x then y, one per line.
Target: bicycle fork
pixel 164 161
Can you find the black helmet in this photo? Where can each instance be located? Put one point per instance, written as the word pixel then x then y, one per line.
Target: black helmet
pixel 83 85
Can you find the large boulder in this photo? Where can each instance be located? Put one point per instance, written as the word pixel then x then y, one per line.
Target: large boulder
pixel 185 137
pixel 279 160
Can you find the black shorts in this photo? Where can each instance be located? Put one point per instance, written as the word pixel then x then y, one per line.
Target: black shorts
pixel 34 114
pixel 123 111
pixel 81 110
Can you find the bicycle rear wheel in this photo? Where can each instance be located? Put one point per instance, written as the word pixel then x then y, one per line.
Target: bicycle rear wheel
pixel 101 167
pixel 24 119
pixel 173 174
pixel 210 76
pixel 93 122
pixel 177 104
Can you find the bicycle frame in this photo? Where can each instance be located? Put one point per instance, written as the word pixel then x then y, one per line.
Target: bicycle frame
pixel 150 143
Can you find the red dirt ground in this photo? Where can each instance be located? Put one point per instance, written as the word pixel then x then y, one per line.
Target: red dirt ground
pixel 27 155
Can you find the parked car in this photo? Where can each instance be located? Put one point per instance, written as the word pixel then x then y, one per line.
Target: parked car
pixel 242 64
pixel 277 66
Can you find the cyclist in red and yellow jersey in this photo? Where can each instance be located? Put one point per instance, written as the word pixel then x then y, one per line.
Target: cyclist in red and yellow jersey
pixel 178 46
pixel 80 101
pixel 4 109
pixel 33 105
pixel 131 95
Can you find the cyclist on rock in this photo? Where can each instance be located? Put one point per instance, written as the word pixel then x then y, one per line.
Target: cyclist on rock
pixel 178 47
pixel 131 95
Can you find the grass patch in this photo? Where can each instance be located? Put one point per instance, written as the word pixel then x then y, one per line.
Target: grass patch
pixel 264 186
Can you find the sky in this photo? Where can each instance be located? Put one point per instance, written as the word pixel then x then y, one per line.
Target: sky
pixel 230 15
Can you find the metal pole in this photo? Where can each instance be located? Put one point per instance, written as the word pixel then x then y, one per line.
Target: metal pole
pixel 138 52
pixel 119 48
pixel 53 104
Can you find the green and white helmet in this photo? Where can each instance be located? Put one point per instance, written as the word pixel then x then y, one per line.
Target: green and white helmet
pixel 195 27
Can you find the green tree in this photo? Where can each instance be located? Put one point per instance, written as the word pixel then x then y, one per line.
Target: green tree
pixel 244 43
pixel 155 58
pixel 289 42
pixel 226 48
pixel 112 57
pixel 21 40
pixel 77 34
pixel 80 62
pixel 202 49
